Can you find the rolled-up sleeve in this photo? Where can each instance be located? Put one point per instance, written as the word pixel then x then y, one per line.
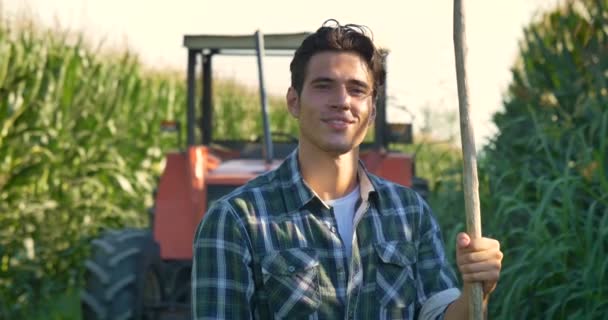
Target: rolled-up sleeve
pixel 222 280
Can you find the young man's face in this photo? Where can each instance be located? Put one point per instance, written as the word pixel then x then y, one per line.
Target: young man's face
pixel 335 107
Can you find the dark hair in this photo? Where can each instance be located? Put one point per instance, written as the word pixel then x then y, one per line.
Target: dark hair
pixel 349 38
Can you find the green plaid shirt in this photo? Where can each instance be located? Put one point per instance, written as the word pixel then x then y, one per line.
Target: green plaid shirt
pixel 271 250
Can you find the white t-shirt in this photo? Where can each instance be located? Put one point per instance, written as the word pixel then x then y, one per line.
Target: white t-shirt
pixel 344 211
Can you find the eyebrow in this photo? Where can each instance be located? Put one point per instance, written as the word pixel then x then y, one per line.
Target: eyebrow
pixel 356 82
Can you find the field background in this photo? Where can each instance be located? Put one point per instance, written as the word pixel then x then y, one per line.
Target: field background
pixel 81 151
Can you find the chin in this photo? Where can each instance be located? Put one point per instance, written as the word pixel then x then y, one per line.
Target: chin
pixel 338 149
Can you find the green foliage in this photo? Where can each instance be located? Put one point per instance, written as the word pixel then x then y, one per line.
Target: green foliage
pixel 81 148
pixel 548 184
pixel 65 306
pixel 237 113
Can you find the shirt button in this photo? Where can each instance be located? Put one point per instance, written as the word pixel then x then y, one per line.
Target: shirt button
pixel 291 269
pixel 333 229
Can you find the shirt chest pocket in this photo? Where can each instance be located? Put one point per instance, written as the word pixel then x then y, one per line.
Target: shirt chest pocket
pixel 395 280
pixel 291 282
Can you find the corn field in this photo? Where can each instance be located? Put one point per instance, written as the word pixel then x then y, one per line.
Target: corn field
pixel 547 170
pixel 81 150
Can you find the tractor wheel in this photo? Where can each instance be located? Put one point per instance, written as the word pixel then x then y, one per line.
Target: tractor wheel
pixel 123 278
pixel 422 187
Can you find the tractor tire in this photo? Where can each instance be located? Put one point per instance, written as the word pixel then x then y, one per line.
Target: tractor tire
pixel 421 186
pixel 123 277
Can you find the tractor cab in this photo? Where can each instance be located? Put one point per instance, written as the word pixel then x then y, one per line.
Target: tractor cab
pixel 240 155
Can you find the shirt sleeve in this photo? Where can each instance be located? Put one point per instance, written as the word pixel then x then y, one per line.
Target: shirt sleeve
pixel 222 281
pixel 436 278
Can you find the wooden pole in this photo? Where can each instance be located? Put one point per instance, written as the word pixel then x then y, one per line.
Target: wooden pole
pixel 471 184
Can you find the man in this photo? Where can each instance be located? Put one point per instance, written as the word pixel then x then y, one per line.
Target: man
pixel 320 237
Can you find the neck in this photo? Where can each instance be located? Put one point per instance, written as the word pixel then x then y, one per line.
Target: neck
pixel 331 176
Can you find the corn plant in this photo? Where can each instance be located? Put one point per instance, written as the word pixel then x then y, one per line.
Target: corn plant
pixel 547 171
pixel 80 150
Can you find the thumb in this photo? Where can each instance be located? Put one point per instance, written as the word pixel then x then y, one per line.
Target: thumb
pixel 463 240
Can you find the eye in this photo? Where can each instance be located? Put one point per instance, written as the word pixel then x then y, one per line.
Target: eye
pixel 359 91
pixel 322 85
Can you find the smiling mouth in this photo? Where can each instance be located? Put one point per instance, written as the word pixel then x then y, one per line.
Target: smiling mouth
pixel 338 123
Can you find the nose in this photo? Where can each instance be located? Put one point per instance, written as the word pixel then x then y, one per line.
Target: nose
pixel 341 98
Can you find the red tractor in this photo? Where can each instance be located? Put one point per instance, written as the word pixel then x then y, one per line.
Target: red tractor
pixel 145 273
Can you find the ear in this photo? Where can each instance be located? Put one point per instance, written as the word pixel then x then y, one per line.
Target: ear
pixel 293 102
pixel 372 116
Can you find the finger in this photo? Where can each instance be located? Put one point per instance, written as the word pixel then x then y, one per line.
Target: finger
pixel 480 244
pixel 489 265
pixel 474 257
pixel 491 276
pixel 463 240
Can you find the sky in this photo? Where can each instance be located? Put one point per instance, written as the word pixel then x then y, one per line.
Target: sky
pixel 421 71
